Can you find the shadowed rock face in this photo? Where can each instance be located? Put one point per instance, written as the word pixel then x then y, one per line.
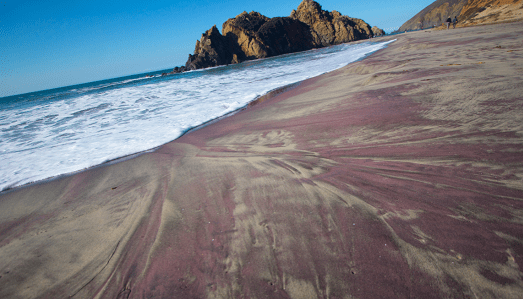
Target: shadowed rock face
pixel 253 35
pixel 211 50
pixel 468 12
pixel 285 35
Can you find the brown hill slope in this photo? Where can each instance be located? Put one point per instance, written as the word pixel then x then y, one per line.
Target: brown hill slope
pixel 469 12
pixel 434 14
pixel 491 11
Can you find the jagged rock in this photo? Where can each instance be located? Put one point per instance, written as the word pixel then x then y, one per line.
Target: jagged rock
pixel 177 70
pixel 235 59
pixel 350 29
pixel 257 36
pixel 377 31
pixel 320 22
pixel 253 35
pixel 211 50
pixel 330 28
pixel 241 31
pixel 282 35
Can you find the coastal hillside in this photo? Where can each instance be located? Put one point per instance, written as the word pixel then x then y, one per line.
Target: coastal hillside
pixel 252 35
pixel 434 14
pixel 491 11
pixel 468 12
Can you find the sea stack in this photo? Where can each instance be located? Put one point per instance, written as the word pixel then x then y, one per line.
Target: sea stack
pixel 253 35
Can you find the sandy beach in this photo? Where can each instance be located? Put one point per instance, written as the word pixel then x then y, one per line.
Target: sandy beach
pixel 398 176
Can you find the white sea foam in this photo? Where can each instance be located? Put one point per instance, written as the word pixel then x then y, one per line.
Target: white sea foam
pixel 92 124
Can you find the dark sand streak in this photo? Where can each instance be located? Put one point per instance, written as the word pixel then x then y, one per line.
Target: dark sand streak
pixel 398 176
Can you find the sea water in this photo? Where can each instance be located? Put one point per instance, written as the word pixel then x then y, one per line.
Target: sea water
pixel 48 133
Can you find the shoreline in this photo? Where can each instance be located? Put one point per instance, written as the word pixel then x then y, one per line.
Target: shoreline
pixel 398 175
pixel 263 97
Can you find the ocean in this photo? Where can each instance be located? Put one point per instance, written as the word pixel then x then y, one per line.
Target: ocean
pixel 48 133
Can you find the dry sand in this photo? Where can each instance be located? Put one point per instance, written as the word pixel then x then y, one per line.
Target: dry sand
pixel 399 176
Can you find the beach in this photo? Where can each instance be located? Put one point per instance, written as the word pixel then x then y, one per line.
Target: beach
pixel 397 176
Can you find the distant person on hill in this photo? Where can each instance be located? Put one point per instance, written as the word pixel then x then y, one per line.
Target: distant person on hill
pixel 454 22
pixel 448 22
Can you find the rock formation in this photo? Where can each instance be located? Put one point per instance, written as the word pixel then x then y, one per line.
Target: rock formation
pixel 377 31
pixel 242 30
pixel 330 28
pixel 176 70
pixel 211 50
pixel 468 12
pixel 253 35
pixel 282 35
pixel 258 36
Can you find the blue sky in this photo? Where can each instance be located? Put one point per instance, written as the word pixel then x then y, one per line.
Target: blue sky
pixel 49 43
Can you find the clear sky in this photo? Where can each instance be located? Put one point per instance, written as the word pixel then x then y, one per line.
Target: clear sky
pixel 52 43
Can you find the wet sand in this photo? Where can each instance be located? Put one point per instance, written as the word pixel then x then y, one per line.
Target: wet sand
pixel 398 176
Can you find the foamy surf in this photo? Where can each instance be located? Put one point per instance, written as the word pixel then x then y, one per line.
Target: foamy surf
pixel 49 133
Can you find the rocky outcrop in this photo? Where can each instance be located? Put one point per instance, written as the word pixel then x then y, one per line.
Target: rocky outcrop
pixel 176 70
pixel 468 12
pixel 282 35
pixel 257 36
pixel 211 50
pixel 330 28
pixel 253 35
pixel 242 30
pixel 377 31
pixel 179 70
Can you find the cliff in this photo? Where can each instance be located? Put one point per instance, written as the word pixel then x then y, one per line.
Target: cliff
pixel 211 50
pixel 253 35
pixel 468 12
